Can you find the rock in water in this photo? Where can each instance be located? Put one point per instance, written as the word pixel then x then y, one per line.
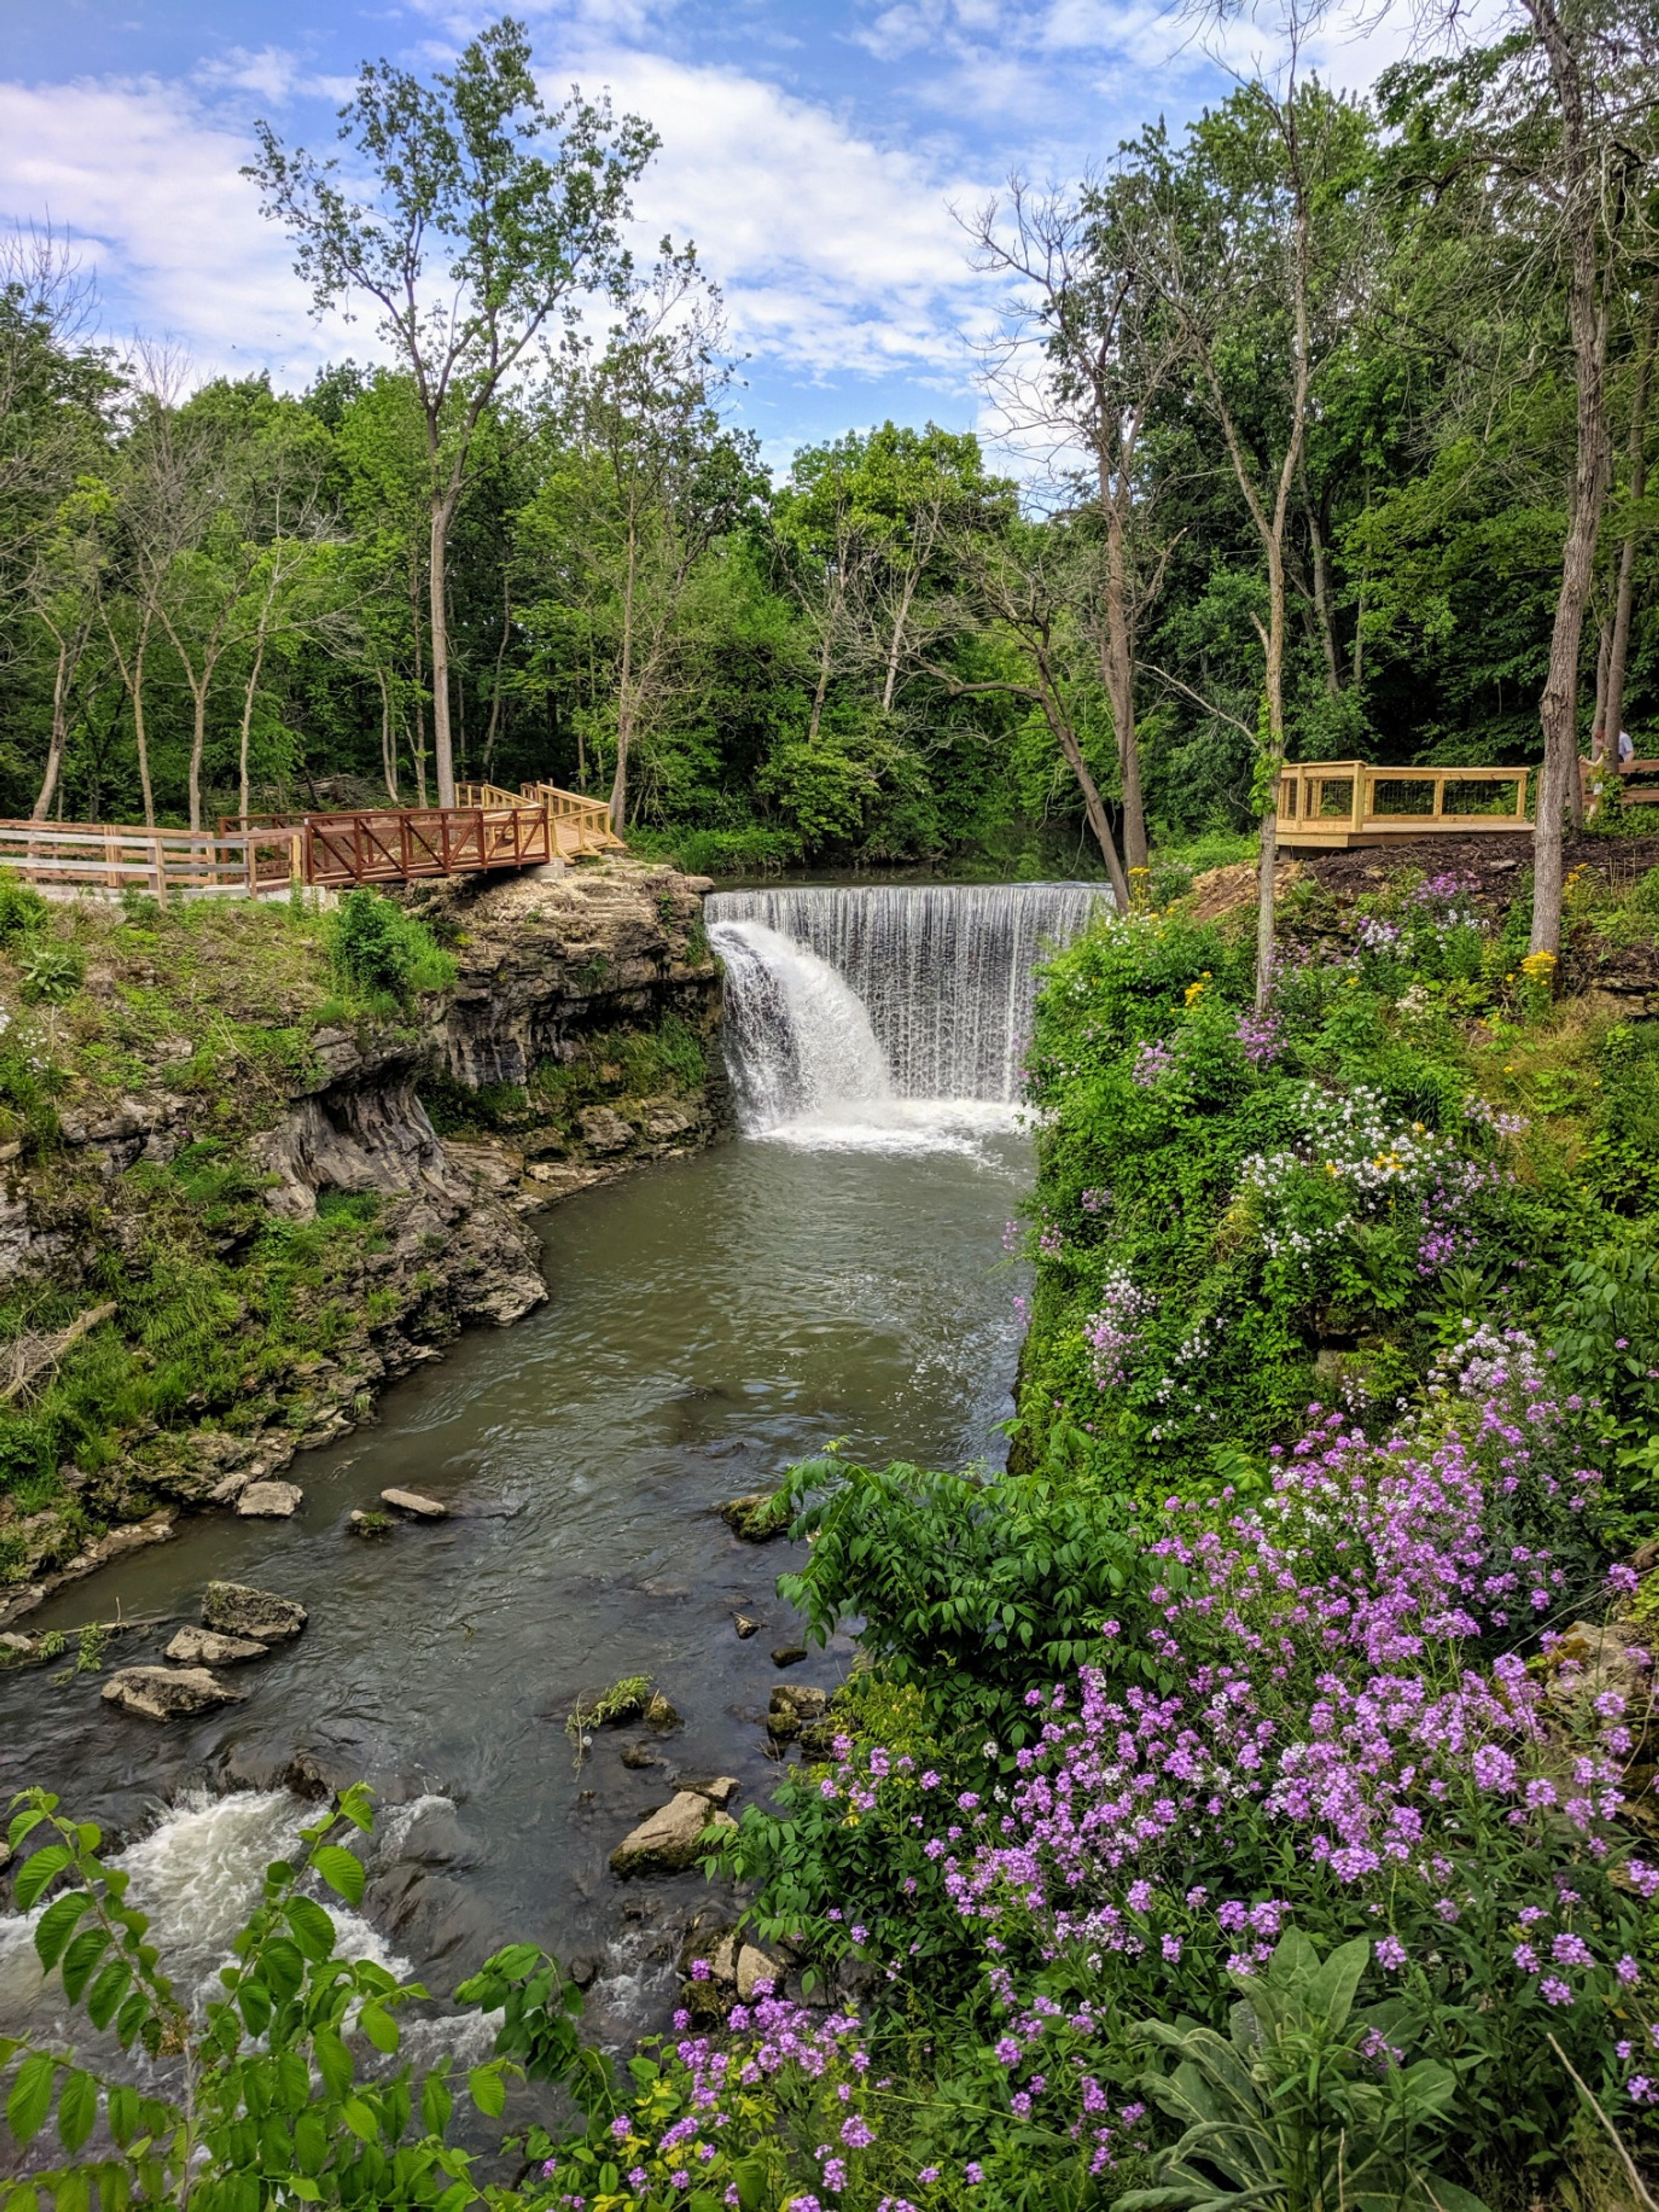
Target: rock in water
pixel 788 1654
pixel 718 1788
pixel 670 1839
pixel 793 1708
pixel 200 1647
pixel 413 1502
pixel 234 1609
pixel 745 1625
pixel 168 1693
pixel 269 1501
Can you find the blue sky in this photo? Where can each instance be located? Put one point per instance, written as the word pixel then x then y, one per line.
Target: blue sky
pixel 813 148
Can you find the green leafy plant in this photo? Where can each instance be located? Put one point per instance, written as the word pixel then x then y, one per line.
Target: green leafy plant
pixel 22 910
pixel 1305 2106
pixel 282 2092
pixel 52 971
pixel 384 951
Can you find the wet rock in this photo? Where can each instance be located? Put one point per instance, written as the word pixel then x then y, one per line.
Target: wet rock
pixel 745 1625
pixel 753 1967
pixel 236 1609
pixel 368 1525
pixel 19 1647
pixel 788 1654
pixel 435 1837
pixel 793 1707
pixel 604 1129
pixel 437 1920
pixel 671 1839
pixel 757 1517
pixel 166 1693
pixel 718 1788
pixel 662 1123
pixel 415 1504
pixel 269 1501
pixel 200 1647
pixel 638 1755
pixel 660 1713
pixel 585 1968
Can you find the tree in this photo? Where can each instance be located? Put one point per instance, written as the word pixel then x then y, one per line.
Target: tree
pixel 1105 350
pixel 1252 254
pixel 527 233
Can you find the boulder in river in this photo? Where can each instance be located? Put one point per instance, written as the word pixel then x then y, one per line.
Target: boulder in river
pixel 794 1707
pixel 788 1654
pixel 671 1839
pixel 757 1516
pixel 236 1609
pixel 718 1788
pixel 415 1504
pixel 168 1693
pixel 746 1626
pixel 202 1647
pixel 269 1501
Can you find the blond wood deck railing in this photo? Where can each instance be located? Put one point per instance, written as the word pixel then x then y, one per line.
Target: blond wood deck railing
pixel 402 844
pixel 1333 804
pixel 110 858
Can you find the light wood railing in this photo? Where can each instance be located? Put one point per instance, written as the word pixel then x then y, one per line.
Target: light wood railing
pixel 108 858
pixel 1333 804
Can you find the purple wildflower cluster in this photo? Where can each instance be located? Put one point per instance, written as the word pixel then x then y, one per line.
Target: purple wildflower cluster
pixel 1322 1686
pixel 1154 1060
pixel 1259 1038
pixel 1113 1331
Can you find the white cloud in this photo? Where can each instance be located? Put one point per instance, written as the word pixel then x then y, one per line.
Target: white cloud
pixel 146 180
pixel 835 253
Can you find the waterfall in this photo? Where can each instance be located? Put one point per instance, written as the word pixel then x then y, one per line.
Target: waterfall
pixel 839 998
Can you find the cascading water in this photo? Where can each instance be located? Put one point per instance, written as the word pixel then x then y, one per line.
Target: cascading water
pixel 842 998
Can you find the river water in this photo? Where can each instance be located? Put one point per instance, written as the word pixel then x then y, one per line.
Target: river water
pixel 839 1272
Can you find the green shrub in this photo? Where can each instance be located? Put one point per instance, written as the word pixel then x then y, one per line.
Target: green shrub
pixel 22 910
pixel 384 951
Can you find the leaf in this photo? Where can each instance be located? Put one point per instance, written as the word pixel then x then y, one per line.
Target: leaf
pixel 1331 1992
pixel 82 1956
pixel 488 2091
pixel 313 1931
pixel 360 2119
pixel 302 2186
pixel 343 1871
pixel 57 1924
pixel 436 2104
pixel 24 1825
pixel 77 2112
pixel 378 2027
pixel 31 2096
pixel 36 1872
pixel 123 2109
pixel 333 2062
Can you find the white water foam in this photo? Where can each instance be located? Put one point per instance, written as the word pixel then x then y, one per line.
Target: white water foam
pixel 199 1874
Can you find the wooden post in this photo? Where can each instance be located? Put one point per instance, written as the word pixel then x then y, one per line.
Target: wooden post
pixel 1362 777
pixel 1521 795
pixel 161 867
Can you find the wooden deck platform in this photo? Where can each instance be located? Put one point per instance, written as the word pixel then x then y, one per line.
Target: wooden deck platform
pixel 1332 805
pixel 260 855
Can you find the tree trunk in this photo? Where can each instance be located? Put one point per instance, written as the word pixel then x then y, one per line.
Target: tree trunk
pixel 437 596
pixel 1322 587
pixel 822 691
pixel 895 643
pixel 139 738
pixel 388 750
pixel 1624 602
pixel 1060 722
pixel 1119 676
pixel 1269 859
pixel 1558 711
pixel 198 746
pixel 244 790
pixel 625 691
pixel 60 733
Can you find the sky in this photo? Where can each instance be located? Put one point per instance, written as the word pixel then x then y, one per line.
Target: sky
pixel 820 153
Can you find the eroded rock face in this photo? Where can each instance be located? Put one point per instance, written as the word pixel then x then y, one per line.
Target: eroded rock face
pixel 261 1616
pixel 670 1839
pixel 168 1693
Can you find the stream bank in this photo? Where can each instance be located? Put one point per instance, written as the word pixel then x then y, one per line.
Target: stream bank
pixel 271 1201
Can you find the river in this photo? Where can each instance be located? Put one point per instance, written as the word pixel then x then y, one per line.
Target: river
pixel 839 1272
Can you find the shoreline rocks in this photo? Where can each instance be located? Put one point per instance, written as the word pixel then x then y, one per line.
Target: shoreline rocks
pixel 203 1647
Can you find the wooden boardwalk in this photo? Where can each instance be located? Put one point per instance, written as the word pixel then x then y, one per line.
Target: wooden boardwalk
pixel 253 856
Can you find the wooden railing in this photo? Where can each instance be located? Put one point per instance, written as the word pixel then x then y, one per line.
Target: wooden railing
pixel 577 824
pixel 390 845
pixel 1333 804
pixel 240 859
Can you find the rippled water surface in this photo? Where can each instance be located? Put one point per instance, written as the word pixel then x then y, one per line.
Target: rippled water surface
pixel 709 1320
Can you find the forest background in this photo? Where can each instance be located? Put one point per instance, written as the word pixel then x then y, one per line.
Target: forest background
pixel 1297 445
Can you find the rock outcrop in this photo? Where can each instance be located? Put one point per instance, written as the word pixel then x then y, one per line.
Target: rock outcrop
pixel 203 1647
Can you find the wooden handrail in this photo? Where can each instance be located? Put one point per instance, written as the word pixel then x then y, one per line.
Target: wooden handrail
pixel 1306 817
